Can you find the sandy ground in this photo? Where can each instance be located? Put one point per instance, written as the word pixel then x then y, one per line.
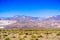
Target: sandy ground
pixel 23 36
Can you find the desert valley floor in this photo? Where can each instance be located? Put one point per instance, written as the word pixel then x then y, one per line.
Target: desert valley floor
pixel 14 34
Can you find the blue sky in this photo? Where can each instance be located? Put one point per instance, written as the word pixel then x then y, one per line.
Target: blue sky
pixel 37 8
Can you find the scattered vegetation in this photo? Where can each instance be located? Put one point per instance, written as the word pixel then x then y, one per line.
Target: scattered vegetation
pixel 33 36
pixel 5 35
pixel 36 39
pixel 27 34
pixel 22 39
pixel 58 34
pixel 40 36
pixel 7 39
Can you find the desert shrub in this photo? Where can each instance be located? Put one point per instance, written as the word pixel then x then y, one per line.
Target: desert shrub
pixel 22 39
pixel 4 35
pixel 31 39
pixel 30 33
pixel 58 34
pixel 36 39
pixel 25 36
pixel 13 37
pixel 26 33
pixel 0 36
pixel 20 33
pixel 9 33
pixel 47 33
pixel 33 36
pixel 7 39
pixel 4 32
pixel 40 36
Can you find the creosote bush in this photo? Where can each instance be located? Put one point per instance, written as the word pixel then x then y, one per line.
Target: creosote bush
pixel 22 39
pixel 7 39
pixel 25 36
pixel 20 33
pixel 26 33
pixel 40 36
pixel 36 39
pixel 58 34
pixel 33 36
pixel 5 35
pixel 31 39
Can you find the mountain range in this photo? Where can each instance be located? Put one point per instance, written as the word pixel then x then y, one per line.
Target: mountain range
pixel 31 22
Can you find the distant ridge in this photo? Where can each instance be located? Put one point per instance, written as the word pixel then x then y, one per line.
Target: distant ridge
pixel 32 22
